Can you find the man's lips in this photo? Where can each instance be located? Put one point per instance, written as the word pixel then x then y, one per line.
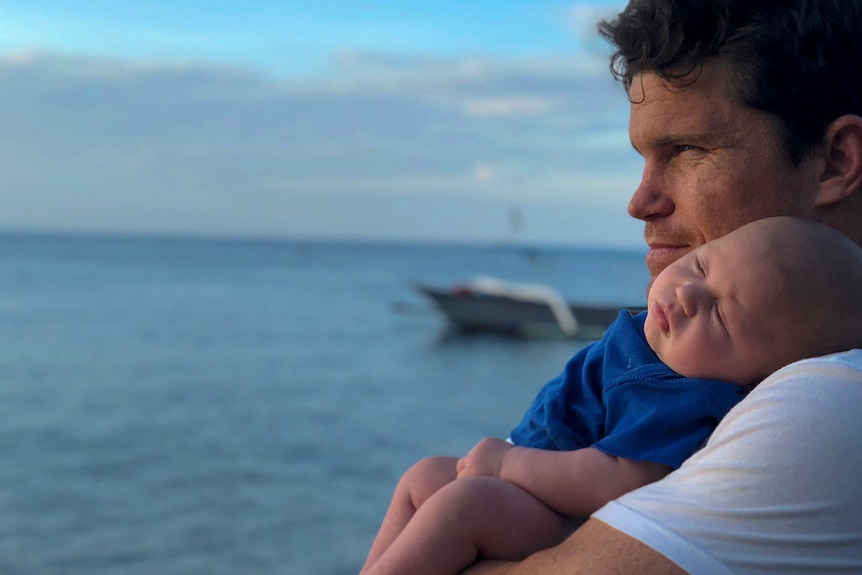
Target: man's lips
pixel 660 317
pixel 660 249
pixel 662 255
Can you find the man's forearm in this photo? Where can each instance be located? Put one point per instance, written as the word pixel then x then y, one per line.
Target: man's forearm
pixel 594 549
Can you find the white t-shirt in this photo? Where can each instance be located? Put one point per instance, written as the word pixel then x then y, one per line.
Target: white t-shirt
pixel 778 487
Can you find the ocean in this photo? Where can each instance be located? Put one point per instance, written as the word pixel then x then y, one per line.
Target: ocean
pixel 226 406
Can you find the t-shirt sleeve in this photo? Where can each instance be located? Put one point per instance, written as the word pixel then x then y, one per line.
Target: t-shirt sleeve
pixel 776 490
pixel 655 415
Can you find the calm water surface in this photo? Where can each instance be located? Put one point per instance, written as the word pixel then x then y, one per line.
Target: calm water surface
pixel 230 407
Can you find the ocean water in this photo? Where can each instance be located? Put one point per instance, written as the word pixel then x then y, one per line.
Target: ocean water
pixel 190 406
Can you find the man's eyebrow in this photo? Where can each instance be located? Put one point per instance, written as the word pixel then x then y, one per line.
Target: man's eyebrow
pixel 691 138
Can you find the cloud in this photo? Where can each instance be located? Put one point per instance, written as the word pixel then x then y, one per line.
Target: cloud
pixel 511 106
pixel 484 173
pixel 94 143
pixel 583 19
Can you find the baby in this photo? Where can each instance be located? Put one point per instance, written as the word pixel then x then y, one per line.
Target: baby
pixel 632 407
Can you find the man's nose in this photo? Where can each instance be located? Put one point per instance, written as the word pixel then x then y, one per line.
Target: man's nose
pixel 650 201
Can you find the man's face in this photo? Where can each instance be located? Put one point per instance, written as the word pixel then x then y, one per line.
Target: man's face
pixel 710 165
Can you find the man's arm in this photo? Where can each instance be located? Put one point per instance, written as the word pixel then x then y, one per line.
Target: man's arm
pixel 594 549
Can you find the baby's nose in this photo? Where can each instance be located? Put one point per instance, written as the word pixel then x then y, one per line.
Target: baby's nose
pixel 689 297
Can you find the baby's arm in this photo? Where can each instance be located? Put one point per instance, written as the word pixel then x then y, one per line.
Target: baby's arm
pixel 573 483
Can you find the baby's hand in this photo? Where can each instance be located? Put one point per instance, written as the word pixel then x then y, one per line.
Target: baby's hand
pixel 486 459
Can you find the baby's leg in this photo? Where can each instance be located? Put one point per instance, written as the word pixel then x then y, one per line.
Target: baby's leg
pixel 469 519
pixel 418 484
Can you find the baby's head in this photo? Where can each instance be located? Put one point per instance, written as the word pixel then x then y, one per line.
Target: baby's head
pixel 772 292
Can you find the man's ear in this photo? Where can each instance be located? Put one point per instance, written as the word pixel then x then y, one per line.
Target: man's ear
pixel 842 155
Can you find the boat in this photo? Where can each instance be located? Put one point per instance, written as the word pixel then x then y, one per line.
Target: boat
pixel 488 304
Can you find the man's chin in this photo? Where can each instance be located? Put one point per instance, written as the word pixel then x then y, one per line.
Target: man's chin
pixel 658 259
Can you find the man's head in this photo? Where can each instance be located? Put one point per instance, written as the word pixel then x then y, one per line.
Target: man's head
pixel 742 109
pixel 772 292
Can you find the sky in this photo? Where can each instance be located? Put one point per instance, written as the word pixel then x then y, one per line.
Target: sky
pixel 387 120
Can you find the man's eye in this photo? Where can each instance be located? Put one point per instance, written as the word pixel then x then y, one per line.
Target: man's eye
pixel 688 150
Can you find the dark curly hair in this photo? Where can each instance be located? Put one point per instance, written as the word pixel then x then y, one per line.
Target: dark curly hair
pixel 796 60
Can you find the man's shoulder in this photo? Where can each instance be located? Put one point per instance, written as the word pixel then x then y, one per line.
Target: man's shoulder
pixel 851 358
pixel 841 366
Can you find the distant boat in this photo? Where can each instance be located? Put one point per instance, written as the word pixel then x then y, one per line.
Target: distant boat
pixel 488 304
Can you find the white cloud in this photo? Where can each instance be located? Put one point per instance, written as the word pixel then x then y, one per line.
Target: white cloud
pixel 484 173
pixel 583 19
pixel 96 143
pixel 511 106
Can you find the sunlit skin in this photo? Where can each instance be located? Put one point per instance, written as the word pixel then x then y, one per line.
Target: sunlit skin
pixel 710 312
pixel 710 165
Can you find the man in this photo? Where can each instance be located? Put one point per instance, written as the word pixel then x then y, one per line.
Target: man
pixel 741 109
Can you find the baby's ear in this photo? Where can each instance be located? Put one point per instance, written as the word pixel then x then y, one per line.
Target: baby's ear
pixel 842 155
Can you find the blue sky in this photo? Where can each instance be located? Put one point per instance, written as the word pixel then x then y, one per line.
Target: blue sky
pixel 354 119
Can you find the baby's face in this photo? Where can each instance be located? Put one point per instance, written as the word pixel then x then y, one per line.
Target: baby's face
pixel 711 313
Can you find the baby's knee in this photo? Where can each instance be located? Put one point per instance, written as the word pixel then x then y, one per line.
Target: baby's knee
pixel 427 476
pixel 470 496
pixel 432 469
